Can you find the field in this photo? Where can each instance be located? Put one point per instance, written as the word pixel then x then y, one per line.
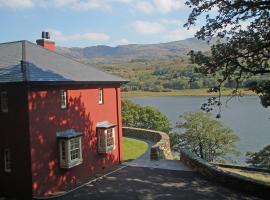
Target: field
pixel 258 176
pixel 133 148
pixel 185 92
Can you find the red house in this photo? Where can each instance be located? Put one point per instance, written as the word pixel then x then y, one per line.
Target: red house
pixel 60 120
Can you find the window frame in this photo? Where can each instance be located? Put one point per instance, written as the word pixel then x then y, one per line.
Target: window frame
pixel 65 152
pixel 103 139
pixel 7 160
pixel 4 101
pixel 100 96
pixel 63 99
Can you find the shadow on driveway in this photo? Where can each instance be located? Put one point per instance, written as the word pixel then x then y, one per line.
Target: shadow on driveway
pixel 148 183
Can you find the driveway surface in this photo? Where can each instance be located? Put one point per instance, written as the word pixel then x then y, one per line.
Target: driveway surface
pixel 144 183
pixel 144 161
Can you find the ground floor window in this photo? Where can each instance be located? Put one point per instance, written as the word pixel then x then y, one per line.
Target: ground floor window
pixel 7 160
pixel 70 148
pixel 106 137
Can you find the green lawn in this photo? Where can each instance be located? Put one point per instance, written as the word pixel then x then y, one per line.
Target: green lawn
pixel 133 148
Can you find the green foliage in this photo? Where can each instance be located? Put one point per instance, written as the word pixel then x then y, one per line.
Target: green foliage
pixel 260 158
pixel 135 115
pixel 244 52
pixel 205 137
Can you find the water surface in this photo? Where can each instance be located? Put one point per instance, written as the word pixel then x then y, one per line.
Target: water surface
pixel 249 120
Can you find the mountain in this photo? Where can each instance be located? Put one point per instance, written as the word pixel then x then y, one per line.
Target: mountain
pixel 136 51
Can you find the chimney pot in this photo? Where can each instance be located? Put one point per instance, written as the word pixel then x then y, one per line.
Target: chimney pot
pixel 45 41
pixel 43 35
pixel 48 35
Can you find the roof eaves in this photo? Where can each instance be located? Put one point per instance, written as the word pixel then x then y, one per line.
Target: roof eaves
pixel 24 62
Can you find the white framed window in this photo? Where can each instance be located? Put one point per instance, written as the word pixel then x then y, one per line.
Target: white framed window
pixel 100 96
pixel 7 160
pixel 70 152
pixel 63 99
pixel 4 102
pixel 106 140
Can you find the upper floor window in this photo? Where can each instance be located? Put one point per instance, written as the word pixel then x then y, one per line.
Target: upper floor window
pixel 7 160
pixel 100 96
pixel 4 101
pixel 63 95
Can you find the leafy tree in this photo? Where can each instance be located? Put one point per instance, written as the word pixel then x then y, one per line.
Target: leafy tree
pixel 205 137
pixel 244 50
pixel 260 159
pixel 135 115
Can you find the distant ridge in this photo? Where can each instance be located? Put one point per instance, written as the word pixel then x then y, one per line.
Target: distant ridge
pixel 137 51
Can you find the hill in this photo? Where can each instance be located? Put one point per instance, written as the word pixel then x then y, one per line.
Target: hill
pixel 129 52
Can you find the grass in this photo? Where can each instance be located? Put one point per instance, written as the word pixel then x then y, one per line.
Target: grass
pixel 133 148
pixel 258 176
pixel 186 92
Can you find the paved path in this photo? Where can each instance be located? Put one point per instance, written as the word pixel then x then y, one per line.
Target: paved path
pixel 143 179
pixel 144 161
pixel 141 183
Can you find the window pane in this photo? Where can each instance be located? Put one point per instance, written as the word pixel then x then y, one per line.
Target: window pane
pixel 100 96
pixel 4 102
pixel 7 160
pixel 63 96
pixel 75 148
pixel 63 150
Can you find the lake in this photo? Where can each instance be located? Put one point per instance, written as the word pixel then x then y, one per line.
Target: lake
pixel 245 115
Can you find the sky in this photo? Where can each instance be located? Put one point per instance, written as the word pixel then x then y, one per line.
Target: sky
pixel 81 23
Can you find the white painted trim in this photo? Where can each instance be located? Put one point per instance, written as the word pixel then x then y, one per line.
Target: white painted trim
pixel 7 161
pixel 100 94
pixel 63 99
pixel 4 101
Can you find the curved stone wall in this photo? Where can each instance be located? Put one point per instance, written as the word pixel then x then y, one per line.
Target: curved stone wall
pixel 160 150
pixel 229 179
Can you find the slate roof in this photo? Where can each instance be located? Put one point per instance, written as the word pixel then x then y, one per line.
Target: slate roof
pixel 24 61
pixel 67 134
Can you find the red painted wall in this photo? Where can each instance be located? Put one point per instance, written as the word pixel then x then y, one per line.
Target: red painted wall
pixel 14 134
pixel 47 44
pixel 83 113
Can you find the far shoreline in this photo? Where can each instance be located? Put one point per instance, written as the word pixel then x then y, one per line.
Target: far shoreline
pixel 184 93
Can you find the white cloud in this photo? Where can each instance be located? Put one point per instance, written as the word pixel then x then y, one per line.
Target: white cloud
pixel 146 27
pixel 172 22
pixel 166 6
pixel 145 7
pixel 16 3
pixel 95 37
pixel 179 34
pixel 123 41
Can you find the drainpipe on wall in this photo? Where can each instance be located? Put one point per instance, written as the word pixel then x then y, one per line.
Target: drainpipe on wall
pixel 118 122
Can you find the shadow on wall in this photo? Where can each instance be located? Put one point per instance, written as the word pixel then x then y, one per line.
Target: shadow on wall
pixel 47 118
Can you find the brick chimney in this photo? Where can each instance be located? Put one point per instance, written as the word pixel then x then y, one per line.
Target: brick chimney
pixel 46 42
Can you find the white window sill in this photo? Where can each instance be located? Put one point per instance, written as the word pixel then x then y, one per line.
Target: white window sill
pixel 72 164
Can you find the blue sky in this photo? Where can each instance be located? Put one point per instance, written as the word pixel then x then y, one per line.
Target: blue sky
pixel 84 23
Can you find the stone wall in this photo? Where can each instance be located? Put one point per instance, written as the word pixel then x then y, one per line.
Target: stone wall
pixel 160 150
pixel 229 179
